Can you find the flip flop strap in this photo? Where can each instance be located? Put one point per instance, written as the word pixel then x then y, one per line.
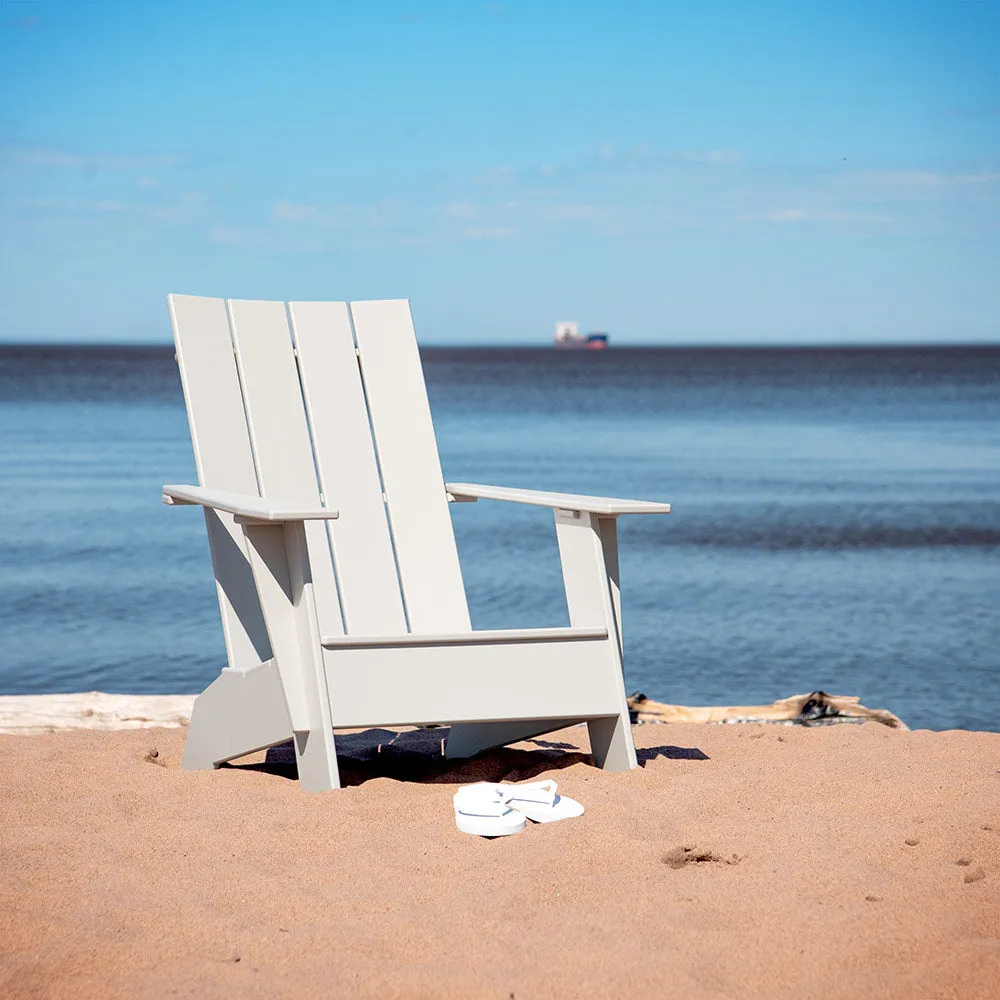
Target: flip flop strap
pixel 494 800
pixel 481 800
pixel 538 792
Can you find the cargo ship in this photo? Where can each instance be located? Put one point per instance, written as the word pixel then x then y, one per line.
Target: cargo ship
pixel 568 335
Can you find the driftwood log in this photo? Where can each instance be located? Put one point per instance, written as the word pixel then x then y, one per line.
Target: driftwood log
pixel 814 709
pixel 49 713
pixel 32 714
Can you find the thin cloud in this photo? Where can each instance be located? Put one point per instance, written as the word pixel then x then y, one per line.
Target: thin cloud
pixel 778 215
pixel 225 235
pixel 569 212
pixel 497 175
pixel 721 157
pixel 459 210
pixel 927 178
pixel 51 204
pixel 918 182
pixel 793 215
pixel 66 160
pixel 711 157
pixel 188 207
pixel 286 211
pixel 489 232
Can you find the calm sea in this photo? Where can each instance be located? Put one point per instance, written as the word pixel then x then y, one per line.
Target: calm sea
pixel 836 517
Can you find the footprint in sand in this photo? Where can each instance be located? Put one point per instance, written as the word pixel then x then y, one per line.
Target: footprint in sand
pixel 679 857
pixel 976 875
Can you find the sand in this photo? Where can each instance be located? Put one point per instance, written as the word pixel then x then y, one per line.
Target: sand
pixel 738 861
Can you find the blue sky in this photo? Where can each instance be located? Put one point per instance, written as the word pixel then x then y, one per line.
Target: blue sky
pixel 696 172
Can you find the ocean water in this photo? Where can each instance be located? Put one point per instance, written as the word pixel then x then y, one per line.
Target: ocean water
pixel 836 517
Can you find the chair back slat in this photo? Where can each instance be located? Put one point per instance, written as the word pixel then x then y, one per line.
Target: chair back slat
pixel 347 467
pixel 223 460
pixel 279 432
pixel 424 541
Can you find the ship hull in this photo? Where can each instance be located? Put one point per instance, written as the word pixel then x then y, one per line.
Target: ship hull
pixel 595 342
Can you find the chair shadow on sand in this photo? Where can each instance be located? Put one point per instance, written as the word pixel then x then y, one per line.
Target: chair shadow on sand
pixel 418 755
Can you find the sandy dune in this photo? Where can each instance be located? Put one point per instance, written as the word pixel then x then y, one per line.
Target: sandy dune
pixel 739 861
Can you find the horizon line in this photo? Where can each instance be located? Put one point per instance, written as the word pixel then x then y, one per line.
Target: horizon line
pixel 534 345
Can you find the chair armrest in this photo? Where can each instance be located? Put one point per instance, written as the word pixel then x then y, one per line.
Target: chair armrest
pixel 245 506
pixel 608 506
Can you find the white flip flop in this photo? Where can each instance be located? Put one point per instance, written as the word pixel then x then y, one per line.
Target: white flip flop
pixel 481 810
pixel 540 801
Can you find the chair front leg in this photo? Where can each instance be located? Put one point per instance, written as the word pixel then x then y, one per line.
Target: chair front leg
pixel 279 557
pixel 588 549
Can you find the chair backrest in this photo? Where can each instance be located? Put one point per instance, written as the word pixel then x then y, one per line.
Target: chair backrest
pixel 323 400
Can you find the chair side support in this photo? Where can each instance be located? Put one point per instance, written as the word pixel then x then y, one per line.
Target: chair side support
pixel 241 711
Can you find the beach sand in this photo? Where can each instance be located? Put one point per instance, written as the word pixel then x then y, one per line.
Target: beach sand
pixel 739 861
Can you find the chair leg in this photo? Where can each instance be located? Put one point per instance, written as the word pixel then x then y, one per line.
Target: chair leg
pixel 316 757
pixel 611 743
pixel 588 547
pixel 469 738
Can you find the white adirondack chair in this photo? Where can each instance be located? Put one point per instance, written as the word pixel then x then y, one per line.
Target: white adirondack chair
pixel 335 562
